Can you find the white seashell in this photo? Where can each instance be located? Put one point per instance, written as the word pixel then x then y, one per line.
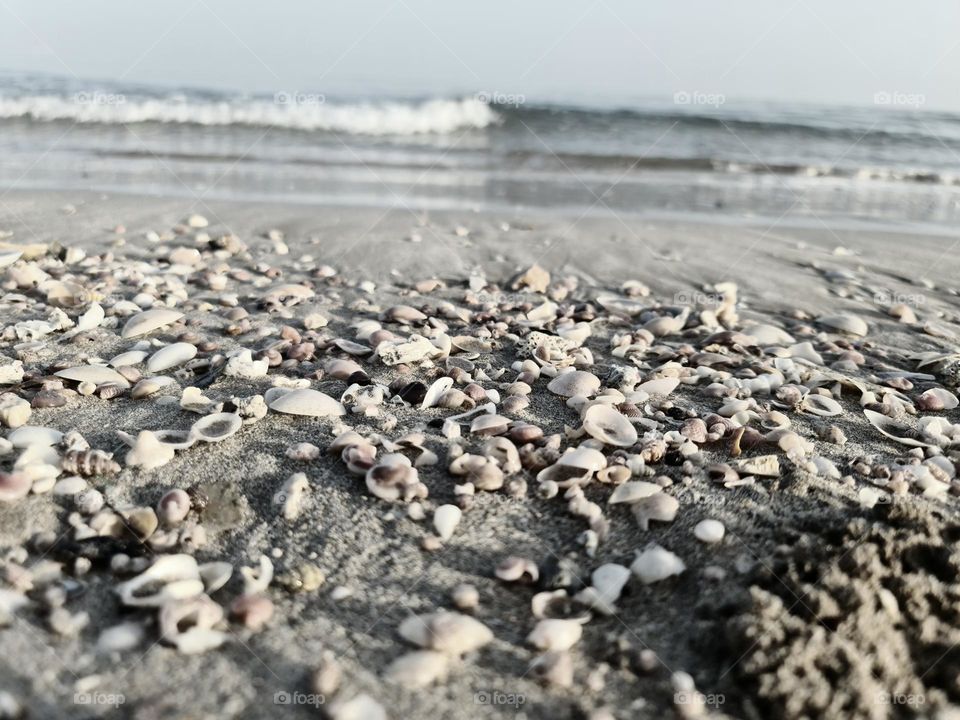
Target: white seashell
pixel 150 385
pixel 257 580
pixel 171 356
pixel 91 318
pixel 200 640
pixel 556 634
pixel 709 531
pixel 894 430
pixel 445 520
pixel 609 426
pixel 242 365
pixel 769 335
pixel 937 399
pixel 436 391
pixel 633 491
pixel 177 575
pixel 574 383
pixel 574 467
pixel 120 638
pixel 609 580
pixel 655 564
pixel 148 452
pixel 849 324
pixel 417 669
pixel 214 575
pixel 448 632
pixel 762 465
pixel 14 410
pixel 217 427
pixel 821 405
pixel 9 258
pixel 307 402
pixel 148 321
pixel 131 357
pixel 361 707
pixel 660 386
pixel 29 435
pixel 410 351
pixel 98 374
pixel 659 506
pixel 290 495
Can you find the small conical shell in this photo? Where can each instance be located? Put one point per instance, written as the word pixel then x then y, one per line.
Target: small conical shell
pixel 445 520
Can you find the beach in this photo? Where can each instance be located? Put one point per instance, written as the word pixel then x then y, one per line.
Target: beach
pixel 832 592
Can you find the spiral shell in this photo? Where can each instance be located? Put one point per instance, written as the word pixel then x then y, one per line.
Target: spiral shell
pixel 88 463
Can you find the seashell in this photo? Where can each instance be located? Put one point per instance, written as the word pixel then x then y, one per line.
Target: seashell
pixel 849 324
pixel 574 383
pixel 14 410
pixel 763 465
pixel 304 452
pixel 307 402
pixel 489 425
pixel 392 477
pixel 342 369
pixel 821 405
pixel 242 365
pixel 131 357
pixel 409 351
pixel 535 279
pixel 436 391
pixel 148 386
pixel 897 431
pixel 466 597
pixel 470 344
pixel 504 453
pixel 556 669
pixel 404 314
pixel 98 374
pixel 556 634
pixel 14 485
pixel 774 420
pixel 445 520
pixel 575 467
pixel 252 611
pixel 171 356
pixel 448 632
pixel 633 491
pixel 936 399
pixel 177 576
pixel 148 452
pixel 659 506
pixel 29 435
pixel 91 318
pixel 120 638
pixel 217 427
pixel 513 569
pixel 655 564
pixel 88 463
pixel 360 707
pixel 609 426
pixel 606 585
pixel 289 291
pixel 709 531
pixel 659 386
pixel 173 507
pixel 483 472
pixel 148 321
pixel 769 335
pixel 455 399
pixel 417 669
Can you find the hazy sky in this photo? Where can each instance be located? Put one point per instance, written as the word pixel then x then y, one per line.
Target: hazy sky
pixel 828 51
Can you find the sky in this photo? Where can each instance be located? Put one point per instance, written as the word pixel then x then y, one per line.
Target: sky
pixel 607 51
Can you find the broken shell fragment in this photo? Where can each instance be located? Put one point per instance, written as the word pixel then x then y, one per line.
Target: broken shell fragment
pixel 445 520
pixel 655 564
pixel 609 426
pixel 659 506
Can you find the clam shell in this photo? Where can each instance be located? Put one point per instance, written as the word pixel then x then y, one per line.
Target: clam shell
pixel 217 427
pixel 821 405
pixel 96 374
pixel 574 383
pixel 633 491
pixel 436 391
pixel 556 634
pixel 574 467
pixel 769 335
pixel 655 564
pixel 307 402
pixel 609 426
pixel 937 399
pixel 659 386
pixel 171 356
pixel 30 435
pixel 148 386
pixel 149 320
pixel 659 506
pixel 849 324
pixel 897 431
pixel 131 357
pixel 448 632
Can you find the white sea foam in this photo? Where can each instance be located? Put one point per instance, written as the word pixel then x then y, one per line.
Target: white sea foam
pixel 287 110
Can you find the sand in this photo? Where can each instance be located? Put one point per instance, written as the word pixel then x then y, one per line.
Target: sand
pixel 826 608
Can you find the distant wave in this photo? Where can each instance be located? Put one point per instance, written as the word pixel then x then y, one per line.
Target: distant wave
pixel 293 111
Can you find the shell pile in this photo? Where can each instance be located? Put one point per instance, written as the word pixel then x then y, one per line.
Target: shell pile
pixel 608 407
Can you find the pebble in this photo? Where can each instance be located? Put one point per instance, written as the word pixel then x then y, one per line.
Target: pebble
pixel 709 531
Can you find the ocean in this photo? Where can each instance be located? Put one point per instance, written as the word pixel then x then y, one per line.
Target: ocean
pixel 892 165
